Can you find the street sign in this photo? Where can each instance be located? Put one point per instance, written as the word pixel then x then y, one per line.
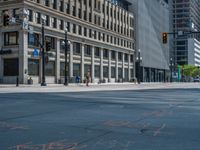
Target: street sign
pixel 36 52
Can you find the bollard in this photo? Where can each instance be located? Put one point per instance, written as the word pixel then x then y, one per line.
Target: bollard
pixel 17 81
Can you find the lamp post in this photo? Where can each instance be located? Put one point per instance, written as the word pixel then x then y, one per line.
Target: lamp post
pixel 139 60
pixel 171 64
pixel 43 83
pixel 66 42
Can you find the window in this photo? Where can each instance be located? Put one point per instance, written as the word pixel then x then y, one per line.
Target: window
pixel 61 22
pixel 68 26
pixel 97 71
pixel 50 68
pixel 62 45
pixel 74 10
pixel 11 67
pixel 87 50
pixel 76 48
pixel 126 57
pixel 61 6
pixel 113 70
pixel 113 56
pixel 97 52
pixel 90 33
pixel 54 22
pixel 30 17
pixel 62 68
pixel 47 20
pixel 74 28
pixel 119 73
pixel 120 56
pixel 52 41
pixel 79 13
pixel 54 4
pixel 85 31
pixel 46 2
pixel 105 53
pixel 11 38
pixel 38 17
pixel 76 69
pixel 79 30
pixel 33 39
pixel 33 67
pixel 87 69
pixel 105 71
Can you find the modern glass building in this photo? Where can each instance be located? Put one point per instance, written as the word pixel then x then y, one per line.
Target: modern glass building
pixel 184 17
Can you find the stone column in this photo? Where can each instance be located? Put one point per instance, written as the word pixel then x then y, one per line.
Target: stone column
pixel 82 62
pixel 129 67
pixel 23 57
pixel 116 66
pixel 57 60
pixel 92 65
pixel 123 69
pixel 71 60
pixel 109 65
pixel 101 64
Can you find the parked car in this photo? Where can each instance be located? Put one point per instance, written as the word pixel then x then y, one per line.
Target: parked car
pixel 196 80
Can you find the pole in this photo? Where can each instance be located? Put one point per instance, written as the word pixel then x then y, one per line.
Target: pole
pixel 139 67
pixel 43 57
pixel 171 70
pixel 66 49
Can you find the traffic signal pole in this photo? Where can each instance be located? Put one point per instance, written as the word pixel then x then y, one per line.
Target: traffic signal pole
pixel 43 83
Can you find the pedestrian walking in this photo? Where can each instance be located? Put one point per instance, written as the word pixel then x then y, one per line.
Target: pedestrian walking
pixel 87 79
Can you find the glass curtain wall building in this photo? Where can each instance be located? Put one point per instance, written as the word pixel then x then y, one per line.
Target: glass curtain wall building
pixel 185 17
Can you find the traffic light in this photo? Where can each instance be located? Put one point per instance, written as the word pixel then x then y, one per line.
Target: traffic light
pixel 164 37
pixel 48 46
pixel 6 19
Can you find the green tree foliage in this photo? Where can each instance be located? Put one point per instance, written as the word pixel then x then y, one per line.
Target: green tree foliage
pixel 190 70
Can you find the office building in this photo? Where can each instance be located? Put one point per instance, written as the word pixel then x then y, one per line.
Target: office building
pixel 152 19
pixel 101 35
pixel 184 18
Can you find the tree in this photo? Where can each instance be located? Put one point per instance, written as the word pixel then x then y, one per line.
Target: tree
pixel 195 72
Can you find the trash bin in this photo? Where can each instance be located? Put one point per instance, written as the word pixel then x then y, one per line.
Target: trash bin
pixel 30 81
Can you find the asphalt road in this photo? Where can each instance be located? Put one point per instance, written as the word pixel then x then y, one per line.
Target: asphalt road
pixel 116 120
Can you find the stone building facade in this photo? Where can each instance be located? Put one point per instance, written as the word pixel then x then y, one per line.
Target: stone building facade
pixel 101 35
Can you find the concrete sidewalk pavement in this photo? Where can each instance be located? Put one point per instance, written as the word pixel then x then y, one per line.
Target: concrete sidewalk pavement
pixel 36 88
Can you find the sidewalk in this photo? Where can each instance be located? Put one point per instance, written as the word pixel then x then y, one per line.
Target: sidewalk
pixel 36 88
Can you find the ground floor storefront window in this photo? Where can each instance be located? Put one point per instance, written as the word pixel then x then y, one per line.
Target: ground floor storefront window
pixel 62 69
pixel 120 73
pixel 113 72
pixel 97 71
pixel 50 68
pixel 87 69
pixel 76 69
pixel 33 67
pixel 105 71
pixel 11 67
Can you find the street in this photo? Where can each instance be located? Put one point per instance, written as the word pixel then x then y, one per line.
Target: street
pixel 154 119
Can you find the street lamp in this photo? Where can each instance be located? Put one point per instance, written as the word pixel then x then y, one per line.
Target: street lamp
pixel 66 42
pixel 171 65
pixel 43 83
pixel 139 60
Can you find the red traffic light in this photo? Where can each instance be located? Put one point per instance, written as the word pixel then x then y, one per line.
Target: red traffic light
pixel 164 37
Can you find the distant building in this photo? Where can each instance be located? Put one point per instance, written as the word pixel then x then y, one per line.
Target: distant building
pixel 152 19
pixel 184 17
pixel 100 32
